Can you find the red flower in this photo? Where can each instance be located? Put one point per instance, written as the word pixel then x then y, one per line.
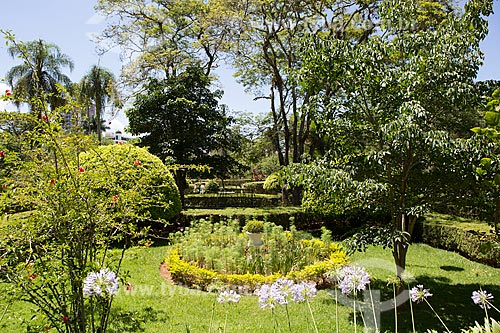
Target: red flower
pixel 120 142
pixel 8 93
pixel 81 169
pixel 32 276
pixel 137 162
pixel 115 198
pixel 44 118
pixel 65 318
pixel 2 154
pixel 52 182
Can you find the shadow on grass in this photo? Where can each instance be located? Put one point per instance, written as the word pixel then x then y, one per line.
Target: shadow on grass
pixel 452 303
pixel 134 321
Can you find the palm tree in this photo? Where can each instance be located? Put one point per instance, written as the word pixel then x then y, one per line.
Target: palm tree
pixel 39 75
pixel 99 87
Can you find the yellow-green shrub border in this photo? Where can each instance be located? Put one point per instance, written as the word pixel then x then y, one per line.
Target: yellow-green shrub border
pixel 191 275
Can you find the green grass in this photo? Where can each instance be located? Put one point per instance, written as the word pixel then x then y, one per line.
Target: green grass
pixel 458 222
pixel 156 306
pixel 450 277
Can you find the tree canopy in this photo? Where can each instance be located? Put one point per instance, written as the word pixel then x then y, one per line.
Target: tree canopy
pixel 98 87
pixel 180 119
pixel 397 105
pixel 38 77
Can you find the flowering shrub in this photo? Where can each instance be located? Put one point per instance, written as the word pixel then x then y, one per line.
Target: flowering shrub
pixel 53 258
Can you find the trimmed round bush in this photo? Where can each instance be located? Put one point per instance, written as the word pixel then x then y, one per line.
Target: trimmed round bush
pixel 136 178
pixel 212 187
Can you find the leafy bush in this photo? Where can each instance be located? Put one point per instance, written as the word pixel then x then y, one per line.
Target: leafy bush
pixel 254 226
pixel 212 187
pixel 272 183
pixel 258 187
pixel 138 175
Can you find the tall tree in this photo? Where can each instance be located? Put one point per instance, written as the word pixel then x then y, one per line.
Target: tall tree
pixel 399 101
pixel 39 77
pixel 181 121
pixel 98 86
pixel 161 38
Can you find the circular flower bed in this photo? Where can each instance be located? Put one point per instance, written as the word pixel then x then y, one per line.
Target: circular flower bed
pixel 207 254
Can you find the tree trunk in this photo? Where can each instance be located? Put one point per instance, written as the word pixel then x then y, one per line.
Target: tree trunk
pixel 275 134
pixel 180 181
pixel 496 217
pixel 98 110
pixel 296 196
pixel 284 195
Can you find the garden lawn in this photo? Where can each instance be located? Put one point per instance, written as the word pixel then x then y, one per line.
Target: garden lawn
pixel 153 305
pixel 451 279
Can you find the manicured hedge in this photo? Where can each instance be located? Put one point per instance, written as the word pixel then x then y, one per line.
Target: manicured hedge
pixel 472 240
pixel 222 200
pixel 258 187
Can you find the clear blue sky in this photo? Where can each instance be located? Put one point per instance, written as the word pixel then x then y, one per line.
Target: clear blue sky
pixel 69 23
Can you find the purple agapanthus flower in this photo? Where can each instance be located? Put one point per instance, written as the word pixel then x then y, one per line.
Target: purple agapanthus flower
pixel 419 294
pixel 303 290
pixel 353 278
pixel 228 297
pixel 103 283
pixel 482 298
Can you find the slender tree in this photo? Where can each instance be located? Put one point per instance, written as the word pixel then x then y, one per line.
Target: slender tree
pixel 40 79
pixel 98 86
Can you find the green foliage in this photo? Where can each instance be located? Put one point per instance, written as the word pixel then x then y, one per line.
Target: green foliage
pixel 39 75
pixel 391 98
pixel 212 186
pixel 224 199
pixel 488 168
pixel 491 326
pixel 182 119
pixel 272 183
pixel 98 87
pixel 77 214
pixel 139 178
pixel 47 256
pixel 254 226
